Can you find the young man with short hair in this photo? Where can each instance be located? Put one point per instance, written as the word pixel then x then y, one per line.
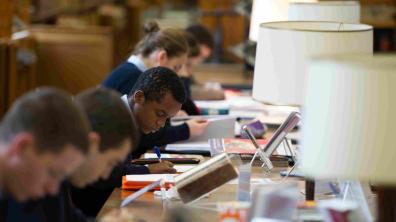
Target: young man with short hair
pixel 157 96
pixel 43 138
pixel 114 133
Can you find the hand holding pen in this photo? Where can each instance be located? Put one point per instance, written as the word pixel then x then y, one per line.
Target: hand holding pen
pixel 158 152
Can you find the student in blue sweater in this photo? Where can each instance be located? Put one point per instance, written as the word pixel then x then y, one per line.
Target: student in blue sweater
pixel 43 138
pixel 167 48
pixel 159 47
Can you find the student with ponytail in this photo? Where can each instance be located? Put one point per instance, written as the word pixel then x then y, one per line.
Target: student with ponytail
pixel 159 47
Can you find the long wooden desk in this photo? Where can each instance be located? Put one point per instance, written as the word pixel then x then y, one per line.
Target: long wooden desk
pixel 150 208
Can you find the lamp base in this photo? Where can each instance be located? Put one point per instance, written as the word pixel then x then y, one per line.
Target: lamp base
pixel 386 203
pixel 309 189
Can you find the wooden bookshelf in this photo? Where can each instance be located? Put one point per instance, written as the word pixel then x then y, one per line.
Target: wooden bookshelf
pixel 73 59
pixel 47 10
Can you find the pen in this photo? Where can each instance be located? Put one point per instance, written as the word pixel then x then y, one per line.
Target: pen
pixel 251 137
pixel 158 152
pixel 334 189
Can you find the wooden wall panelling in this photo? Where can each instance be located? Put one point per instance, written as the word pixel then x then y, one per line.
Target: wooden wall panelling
pixel 16 77
pixel 220 17
pixel 131 33
pixel 22 10
pixel 6 13
pixel 3 77
pixel 377 2
pixel 22 73
pixel 73 59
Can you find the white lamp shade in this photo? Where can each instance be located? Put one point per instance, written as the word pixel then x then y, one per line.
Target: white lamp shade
pixel 283 49
pixel 335 11
pixel 349 118
pixel 266 11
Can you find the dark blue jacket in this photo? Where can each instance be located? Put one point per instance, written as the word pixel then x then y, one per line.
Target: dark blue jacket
pixel 61 208
pixel 189 106
pixel 13 211
pixel 52 208
pixel 123 78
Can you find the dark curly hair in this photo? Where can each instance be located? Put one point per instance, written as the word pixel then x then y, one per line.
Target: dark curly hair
pixel 156 82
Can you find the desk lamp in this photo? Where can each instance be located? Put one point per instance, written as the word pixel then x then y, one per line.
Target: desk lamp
pixel 266 11
pixel 282 52
pixel 301 10
pixel 283 49
pixel 333 11
pixel 349 117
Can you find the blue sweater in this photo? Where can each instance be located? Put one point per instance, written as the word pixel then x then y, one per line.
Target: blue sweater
pixel 123 78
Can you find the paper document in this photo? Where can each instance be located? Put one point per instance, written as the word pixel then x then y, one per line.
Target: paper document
pixel 198 146
pixel 150 177
pixel 212 104
pixel 167 155
pixel 183 168
pixel 218 127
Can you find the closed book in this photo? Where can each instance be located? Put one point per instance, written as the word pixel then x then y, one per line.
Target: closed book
pixel 136 182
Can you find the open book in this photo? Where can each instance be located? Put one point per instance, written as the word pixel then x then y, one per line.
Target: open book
pixel 204 178
pixel 192 184
pixel 217 145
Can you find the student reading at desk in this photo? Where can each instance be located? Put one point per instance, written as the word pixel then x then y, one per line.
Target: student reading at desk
pixel 206 45
pixel 43 138
pixel 157 96
pixel 189 107
pixel 114 132
pixel 160 47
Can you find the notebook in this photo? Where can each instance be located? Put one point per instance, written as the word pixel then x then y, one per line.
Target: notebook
pixel 135 182
pixel 218 127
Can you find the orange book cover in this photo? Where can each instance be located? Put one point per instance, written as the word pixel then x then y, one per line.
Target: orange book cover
pixel 136 185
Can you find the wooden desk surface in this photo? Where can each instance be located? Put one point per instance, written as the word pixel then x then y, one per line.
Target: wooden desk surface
pixel 229 74
pixel 150 208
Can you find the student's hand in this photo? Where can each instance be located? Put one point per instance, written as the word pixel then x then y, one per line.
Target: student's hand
pixel 197 126
pixel 181 113
pixel 163 167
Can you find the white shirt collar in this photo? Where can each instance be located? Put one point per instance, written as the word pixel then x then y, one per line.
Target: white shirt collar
pixel 124 98
pixel 138 62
